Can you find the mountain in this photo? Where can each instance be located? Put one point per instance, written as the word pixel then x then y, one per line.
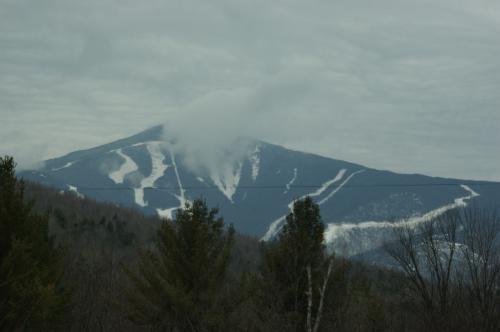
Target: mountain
pixel 256 190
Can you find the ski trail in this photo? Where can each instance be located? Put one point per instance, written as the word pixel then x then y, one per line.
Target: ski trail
pixel 373 234
pixel 127 167
pixel 327 184
pixel 339 187
pixel 291 181
pixel 158 170
pixel 182 197
pixel 276 225
pixel 168 213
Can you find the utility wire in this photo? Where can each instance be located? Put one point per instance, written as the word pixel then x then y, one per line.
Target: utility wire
pixel 270 187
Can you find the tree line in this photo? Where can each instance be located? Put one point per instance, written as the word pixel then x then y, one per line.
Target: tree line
pixel 76 265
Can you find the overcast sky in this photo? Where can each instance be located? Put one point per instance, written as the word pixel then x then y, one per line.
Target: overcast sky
pixel 410 86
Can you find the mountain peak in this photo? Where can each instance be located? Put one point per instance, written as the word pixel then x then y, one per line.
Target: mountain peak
pixel 254 184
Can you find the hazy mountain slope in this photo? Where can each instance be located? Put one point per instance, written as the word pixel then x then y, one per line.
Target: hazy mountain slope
pixel 256 191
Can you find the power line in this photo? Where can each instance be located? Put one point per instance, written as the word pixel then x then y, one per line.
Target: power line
pixel 276 187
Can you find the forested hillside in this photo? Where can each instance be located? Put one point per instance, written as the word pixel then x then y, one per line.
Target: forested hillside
pixel 71 264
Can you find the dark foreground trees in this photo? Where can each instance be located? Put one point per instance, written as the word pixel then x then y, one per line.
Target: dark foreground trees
pixel 296 271
pixel 179 285
pixel 194 278
pixel 31 294
pixel 182 284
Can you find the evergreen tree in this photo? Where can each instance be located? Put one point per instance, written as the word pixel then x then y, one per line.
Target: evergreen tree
pixel 179 284
pixel 31 297
pixel 294 262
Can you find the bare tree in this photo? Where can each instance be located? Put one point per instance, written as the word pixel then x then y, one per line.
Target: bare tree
pixel 452 265
pixel 426 255
pixel 479 276
pixel 439 244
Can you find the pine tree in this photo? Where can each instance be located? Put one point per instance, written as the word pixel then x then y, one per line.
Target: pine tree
pixel 293 267
pixel 178 285
pixel 31 296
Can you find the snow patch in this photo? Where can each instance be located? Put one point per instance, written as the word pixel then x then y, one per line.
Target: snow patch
pixel 75 190
pixel 167 213
pixel 140 144
pixel 255 162
pixel 228 179
pixel 368 235
pixel 63 167
pixel 127 167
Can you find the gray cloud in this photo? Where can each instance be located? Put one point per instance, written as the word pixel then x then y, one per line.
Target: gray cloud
pixel 411 86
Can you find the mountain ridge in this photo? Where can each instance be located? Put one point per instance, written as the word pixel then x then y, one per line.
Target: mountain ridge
pixel 255 192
